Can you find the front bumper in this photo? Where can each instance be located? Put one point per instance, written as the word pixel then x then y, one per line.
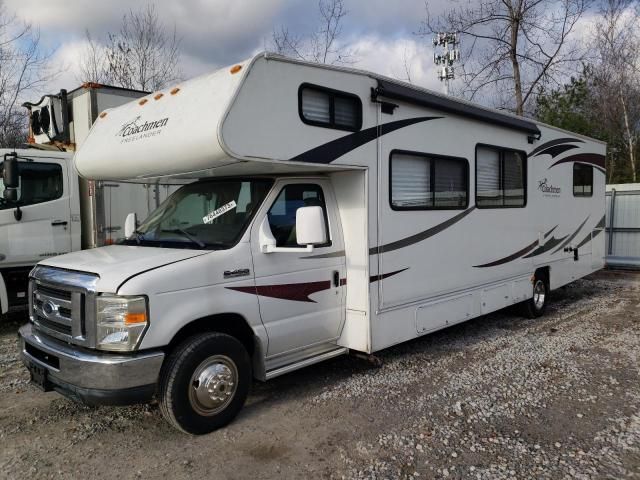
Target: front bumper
pixel 94 378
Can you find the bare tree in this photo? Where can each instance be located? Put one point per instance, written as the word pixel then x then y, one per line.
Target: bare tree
pixel 142 55
pixel 617 74
pixel 24 69
pixel 321 46
pixel 513 47
pixel 93 62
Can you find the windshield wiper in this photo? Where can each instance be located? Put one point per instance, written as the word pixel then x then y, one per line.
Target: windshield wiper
pixel 186 234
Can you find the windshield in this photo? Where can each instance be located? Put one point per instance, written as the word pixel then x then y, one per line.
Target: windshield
pixel 205 214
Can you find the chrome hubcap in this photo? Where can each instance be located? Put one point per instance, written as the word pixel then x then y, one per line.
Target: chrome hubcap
pixel 213 385
pixel 539 294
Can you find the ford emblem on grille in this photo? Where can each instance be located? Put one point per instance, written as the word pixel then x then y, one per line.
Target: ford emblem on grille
pixel 50 309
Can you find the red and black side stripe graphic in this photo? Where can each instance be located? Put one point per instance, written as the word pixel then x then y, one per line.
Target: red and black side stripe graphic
pixel 594 159
pixel 550 147
pixel 297 292
pixel 377 278
pixel 591 235
pixel 571 237
pixel 301 292
pixel 560 145
pixel 333 150
pixel 531 251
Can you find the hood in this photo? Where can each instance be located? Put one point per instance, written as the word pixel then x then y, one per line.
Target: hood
pixel 116 263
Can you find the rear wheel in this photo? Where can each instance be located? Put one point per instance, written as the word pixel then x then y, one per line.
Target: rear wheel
pixel 204 383
pixel 537 304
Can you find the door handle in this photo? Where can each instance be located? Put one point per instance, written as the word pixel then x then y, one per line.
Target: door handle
pixel 56 223
pixel 336 278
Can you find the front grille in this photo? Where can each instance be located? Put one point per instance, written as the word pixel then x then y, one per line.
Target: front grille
pixel 54 292
pixel 58 327
pixel 59 302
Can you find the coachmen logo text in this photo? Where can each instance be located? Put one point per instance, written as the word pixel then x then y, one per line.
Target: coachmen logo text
pixel 547 189
pixel 137 129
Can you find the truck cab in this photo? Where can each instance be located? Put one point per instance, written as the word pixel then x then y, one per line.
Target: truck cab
pixel 247 267
pixel 43 220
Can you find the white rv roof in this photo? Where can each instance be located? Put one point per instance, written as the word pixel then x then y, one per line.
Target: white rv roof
pixel 178 131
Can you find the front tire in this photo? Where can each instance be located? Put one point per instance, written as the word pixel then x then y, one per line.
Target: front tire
pixel 204 383
pixel 537 304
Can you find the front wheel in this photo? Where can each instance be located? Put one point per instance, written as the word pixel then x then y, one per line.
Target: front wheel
pixel 204 383
pixel 537 304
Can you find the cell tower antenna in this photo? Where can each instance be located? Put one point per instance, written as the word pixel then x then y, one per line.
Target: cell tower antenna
pixel 449 42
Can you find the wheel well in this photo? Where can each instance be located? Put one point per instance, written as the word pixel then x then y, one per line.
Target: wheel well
pixel 545 273
pixel 230 323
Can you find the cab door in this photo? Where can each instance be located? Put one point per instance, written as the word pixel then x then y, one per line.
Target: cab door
pixel 301 295
pixel 43 229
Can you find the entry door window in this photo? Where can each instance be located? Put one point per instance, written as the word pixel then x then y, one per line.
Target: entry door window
pixel 39 183
pixel 282 214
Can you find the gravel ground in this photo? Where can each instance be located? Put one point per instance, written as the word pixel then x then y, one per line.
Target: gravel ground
pixel 496 397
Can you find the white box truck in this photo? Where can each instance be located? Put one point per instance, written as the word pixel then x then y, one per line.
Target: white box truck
pixel 328 210
pixel 57 211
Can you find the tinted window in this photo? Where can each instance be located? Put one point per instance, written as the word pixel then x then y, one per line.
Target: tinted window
pixel 324 107
pixel 421 182
pixel 582 180
pixel 39 183
pixel 282 214
pixel 500 177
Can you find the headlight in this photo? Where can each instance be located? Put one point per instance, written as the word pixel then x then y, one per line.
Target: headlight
pixel 121 321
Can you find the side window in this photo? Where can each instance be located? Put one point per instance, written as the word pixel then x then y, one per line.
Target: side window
pixel 282 214
pixel 426 182
pixel 39 183
pixel 500 177
pixel 582 180
pixel 324 107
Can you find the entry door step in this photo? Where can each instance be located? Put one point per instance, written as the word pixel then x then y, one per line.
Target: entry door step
pixel 306 362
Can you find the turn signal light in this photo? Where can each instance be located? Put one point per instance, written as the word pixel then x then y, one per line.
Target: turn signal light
pixel 132 318
pixel 236 69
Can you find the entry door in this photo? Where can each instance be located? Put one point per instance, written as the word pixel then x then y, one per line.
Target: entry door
pixel 301 295
pixel 44 229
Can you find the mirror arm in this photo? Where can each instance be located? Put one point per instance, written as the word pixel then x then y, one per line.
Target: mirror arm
pixel 17 213
pixel 274 249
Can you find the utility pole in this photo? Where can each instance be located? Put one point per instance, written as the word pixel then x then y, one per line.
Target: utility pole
pixel 449 42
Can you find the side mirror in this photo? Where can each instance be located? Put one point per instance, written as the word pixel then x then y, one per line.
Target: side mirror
pixel 11 194
pixel 10 174
pixel 310 226
pixel 130 225
pixel 10 177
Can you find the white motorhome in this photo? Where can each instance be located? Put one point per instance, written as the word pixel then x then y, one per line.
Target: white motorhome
pixel 328 210
pixel 56 211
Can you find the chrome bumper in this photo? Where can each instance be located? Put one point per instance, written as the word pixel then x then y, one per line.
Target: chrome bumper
pixel 89 376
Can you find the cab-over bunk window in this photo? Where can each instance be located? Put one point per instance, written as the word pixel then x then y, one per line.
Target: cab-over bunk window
pixel 421 181
pixel 325 107
pixel 501 177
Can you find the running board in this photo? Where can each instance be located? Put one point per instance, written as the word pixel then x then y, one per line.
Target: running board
pixel 306 362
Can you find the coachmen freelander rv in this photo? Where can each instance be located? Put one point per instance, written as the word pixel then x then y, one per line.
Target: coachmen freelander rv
pixel 329 210
pixel 55 210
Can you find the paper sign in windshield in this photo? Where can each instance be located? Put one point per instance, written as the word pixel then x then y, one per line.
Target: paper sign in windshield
pixel 211 216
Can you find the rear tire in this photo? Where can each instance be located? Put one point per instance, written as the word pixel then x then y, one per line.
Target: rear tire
pixel 537 304
pixel 204 383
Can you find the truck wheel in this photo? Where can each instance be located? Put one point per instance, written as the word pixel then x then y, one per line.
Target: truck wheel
pixel 204 383
pixel 537 304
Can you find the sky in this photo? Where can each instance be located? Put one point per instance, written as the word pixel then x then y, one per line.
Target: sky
pixel 383 34
pixel 217 33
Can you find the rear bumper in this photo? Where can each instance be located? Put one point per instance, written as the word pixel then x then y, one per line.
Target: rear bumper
pixel 91 377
